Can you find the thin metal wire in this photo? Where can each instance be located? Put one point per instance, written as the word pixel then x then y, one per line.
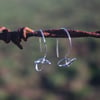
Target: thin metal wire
pixel 45 45
pixel 40 44
pixel 57 48
pixel 70 42
pixel 66 61
pixel 42 60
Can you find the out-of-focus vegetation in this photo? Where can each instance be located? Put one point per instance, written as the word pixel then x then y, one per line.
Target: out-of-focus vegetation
pixel 18 78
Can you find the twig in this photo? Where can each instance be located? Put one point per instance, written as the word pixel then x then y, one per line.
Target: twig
pixel 25 33
pixel 60 33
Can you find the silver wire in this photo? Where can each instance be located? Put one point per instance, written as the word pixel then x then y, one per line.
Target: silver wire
pixel 45 45
pixel 70 41
pixel 42 60
pixel 57 48
pixel 40 45
pixel 66 61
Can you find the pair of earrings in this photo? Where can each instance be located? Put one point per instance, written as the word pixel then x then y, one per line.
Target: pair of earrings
pixel 64 62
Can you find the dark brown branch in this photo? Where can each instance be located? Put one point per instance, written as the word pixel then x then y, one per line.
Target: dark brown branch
pixel 23 33
pixel 60 33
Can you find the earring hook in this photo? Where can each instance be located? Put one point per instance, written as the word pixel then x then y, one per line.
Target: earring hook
pixel 57 48
pixel 70 41
pixel 40 44
pixel 66 61
pixel 42 60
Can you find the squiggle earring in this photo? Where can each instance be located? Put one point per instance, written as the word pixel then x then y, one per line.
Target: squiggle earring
pixel 66 61
pixel 42 60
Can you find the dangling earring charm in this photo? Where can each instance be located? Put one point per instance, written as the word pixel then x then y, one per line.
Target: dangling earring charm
pixel 66 61
pixel 42 60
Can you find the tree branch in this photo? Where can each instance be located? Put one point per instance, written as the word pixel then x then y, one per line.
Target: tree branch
pixel 60 33
pixel 25 33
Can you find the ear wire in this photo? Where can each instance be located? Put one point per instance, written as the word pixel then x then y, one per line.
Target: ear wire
pixel 57 48
pixel 42 60
pixel 66 61
pixel 70 41
pixel 40 44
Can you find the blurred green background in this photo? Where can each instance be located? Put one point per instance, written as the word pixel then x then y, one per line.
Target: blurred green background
pixel 18 78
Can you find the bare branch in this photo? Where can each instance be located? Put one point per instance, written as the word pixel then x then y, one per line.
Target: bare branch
pixel 25 33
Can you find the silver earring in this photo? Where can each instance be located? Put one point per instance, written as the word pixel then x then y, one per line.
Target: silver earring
pixel 40 44
pixel 42 60
pixel 66 61
pixel 57 48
